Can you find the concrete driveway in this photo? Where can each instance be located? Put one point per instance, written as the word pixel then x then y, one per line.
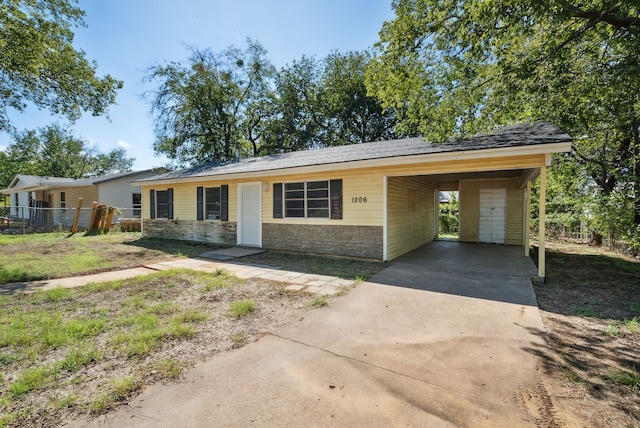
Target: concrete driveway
pixel 442 341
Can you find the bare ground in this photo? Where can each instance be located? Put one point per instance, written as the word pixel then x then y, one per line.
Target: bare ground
pixel 588 303
pixel 72 394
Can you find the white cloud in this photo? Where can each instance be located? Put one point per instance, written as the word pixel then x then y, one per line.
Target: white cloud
pixel 123 144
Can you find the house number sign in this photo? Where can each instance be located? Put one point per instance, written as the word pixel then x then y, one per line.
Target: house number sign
pixel 358 199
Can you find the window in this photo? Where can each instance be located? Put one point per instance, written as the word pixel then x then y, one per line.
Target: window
pixel 63 202
pixel 308 199
pixel 161 203
pixel 213 203
pixel 137 204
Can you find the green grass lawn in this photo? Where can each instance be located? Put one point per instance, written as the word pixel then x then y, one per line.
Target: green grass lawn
pixel 57 255
pixel 70 352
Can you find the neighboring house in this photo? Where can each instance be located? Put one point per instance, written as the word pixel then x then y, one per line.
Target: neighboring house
pixel 377 200
pixel 31 197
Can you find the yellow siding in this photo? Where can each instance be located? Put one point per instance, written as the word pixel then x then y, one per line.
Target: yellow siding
pixel 410 214
pixel 470 208
pixel 515 200
pixel 368 183
pixel 469 211
pixel 465 165
pixel 185 199
pixel 355 184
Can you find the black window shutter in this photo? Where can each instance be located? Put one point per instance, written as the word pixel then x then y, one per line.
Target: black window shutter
pixel 170 193
pixel 152 202
pixel 200 198
pixel 224 202
pixel 336 199
pixel 277 200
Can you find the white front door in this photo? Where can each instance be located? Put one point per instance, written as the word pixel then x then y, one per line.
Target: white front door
pixel 249 214
pixel 492 226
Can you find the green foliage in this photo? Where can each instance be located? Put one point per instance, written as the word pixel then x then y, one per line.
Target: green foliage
pixel 456 68
pixel 56 152
pixel 234 103
pixel 629 378
pixel 40 64
pixel 634 240
pixel 448 218
pixel 30 380
pixel 209 109
pixel 240 308
pixel 170 368
pixel 118 390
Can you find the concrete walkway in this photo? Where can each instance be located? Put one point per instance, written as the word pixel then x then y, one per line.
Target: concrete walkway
pixel 424 351
pixel 317 284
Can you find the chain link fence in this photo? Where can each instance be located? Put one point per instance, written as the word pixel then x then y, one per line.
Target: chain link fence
pixel 25 220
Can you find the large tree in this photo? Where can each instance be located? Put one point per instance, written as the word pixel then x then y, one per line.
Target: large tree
pixel 325 103
pixel 456 67
pixel 40 65
pixel 210 108
pixel 56 152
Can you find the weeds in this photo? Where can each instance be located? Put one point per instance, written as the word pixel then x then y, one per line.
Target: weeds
pixel 614 330
pixel 633 325
pixel 170 368
pixel 190 316
pixel 629 378
pixel 239 340
pixel 586 312
pixel 240 308
pixel 119 390
pixel 319 302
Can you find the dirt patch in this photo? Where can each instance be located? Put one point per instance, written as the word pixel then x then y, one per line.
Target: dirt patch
pixel 149 330
pixel 590 304
pixel 342 267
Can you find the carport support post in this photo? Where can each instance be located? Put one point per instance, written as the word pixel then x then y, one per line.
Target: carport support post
pixel 541 220
pixel 527 218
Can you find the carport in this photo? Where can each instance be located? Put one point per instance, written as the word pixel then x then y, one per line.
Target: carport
pixel 494 199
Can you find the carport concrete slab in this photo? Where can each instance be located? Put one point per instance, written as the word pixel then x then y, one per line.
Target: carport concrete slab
pixel 489 258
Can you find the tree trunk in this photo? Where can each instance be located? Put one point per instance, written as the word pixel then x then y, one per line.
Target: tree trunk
pixel 636 170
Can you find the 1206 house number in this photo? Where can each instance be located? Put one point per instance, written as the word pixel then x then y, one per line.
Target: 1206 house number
pixel 358 199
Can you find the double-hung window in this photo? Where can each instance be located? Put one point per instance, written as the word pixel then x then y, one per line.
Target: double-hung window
pixel 136 199
pixel 212 203
pixel 308 199
pixel 63 202
pixel 161 204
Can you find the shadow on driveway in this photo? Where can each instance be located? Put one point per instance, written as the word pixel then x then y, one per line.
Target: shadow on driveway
pixel 482 271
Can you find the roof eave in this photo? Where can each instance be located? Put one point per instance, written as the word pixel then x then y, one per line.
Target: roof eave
pixel 532 149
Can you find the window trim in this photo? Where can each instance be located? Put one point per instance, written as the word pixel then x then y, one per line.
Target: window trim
pixel 334 199
pixel 201 203
pixel 137 207
pixel 154 204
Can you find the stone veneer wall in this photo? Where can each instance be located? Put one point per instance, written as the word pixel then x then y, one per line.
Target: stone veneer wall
pixel 217 232
pixel 353 241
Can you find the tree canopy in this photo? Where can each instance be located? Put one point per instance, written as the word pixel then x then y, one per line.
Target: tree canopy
pixel 235 103
pixel 56 152
pixel 39 64
pixel 458 67
pixel 210 108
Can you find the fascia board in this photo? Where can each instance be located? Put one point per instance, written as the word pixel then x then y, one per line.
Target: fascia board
pixel 372 163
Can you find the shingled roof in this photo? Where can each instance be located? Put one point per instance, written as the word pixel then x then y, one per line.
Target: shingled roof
pixel 23 182
pixel 510 136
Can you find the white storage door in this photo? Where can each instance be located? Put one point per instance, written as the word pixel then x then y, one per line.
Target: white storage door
pixel 492 216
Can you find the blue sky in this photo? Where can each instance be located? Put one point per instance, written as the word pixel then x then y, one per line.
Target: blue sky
pixel 125 37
